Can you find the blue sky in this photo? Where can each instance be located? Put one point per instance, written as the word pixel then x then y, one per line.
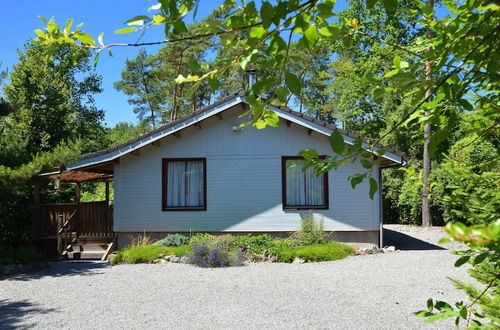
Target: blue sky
pixel 20 20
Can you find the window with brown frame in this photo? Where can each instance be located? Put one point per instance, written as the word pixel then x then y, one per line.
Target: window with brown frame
pixel 302 189
pixel 184 184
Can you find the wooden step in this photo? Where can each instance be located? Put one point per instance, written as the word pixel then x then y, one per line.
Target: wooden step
pixel 89 251
pixel 86 255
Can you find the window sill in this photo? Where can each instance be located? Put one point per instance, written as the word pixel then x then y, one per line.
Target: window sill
pixel 168 209
pixel 295 208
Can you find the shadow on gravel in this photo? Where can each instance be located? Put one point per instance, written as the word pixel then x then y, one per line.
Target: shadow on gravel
pixel 406 242
pixel 12 312
pixel 63 268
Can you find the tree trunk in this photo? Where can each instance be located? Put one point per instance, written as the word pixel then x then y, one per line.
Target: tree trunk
pixel 426 207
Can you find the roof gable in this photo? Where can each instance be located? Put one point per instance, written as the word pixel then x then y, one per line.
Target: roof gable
pixel 218 107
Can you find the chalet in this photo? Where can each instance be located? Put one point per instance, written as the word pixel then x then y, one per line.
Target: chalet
pixel 205 173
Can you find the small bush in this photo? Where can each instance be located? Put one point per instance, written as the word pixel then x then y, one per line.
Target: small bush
pixel 255 244
pixel 318 252
pixel 311 231
pixel 148 253
pixel 20 255
pixel 208 255
pixel 141 240
pixel 173 240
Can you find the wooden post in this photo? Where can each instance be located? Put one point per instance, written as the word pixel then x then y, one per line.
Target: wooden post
pixel 36 210
pixel 60 242
pixel 107 192
pixel 77 193
pixel 77 215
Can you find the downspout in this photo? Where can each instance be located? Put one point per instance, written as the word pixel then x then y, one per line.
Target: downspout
pixel 380 195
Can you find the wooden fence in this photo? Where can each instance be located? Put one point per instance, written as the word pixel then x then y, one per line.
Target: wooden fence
pixel 85 219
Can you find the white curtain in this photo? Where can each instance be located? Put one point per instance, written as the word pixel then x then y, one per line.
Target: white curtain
pixel 185 183
pixel 303 188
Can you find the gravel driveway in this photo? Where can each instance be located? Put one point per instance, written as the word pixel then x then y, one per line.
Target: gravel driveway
pixel 360 292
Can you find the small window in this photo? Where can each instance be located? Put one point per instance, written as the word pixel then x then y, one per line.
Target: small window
pixel 184 184
pixel 302 189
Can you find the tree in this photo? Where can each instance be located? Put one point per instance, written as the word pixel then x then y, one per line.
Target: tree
pixel 144 88
pixel 53 91
pixel 51 119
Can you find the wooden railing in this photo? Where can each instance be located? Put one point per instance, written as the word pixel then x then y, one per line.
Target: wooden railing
pixel 84 219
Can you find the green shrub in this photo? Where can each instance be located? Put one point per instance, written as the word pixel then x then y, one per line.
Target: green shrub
pixel 318 252
pixel 311 231
pixel 20 255
pixel 173 240
pixel 148 253
pixel 255 244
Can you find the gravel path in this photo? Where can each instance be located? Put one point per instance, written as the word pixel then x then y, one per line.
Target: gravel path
pixel 362 292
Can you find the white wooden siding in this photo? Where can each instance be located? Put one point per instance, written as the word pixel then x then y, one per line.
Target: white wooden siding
pixel 243 182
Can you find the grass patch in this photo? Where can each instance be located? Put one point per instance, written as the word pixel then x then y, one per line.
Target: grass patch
pixel 148 253
pixel 20 255
pixel 317 252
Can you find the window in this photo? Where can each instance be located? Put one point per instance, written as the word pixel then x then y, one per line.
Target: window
pixel 184 184
pixel 302 189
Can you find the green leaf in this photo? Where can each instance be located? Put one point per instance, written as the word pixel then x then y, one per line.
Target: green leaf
pixel 423 314
pixel 244 60
pixel 85 38
pixel 311 35
pixel 138 20
pixel 356 179
pixel 67 28
pixel 126 30
pixel 267 14
pixel 259 124
pixel 396 61
pixel 337 142
pixel 427 10
pixel 180 27
pixel 43 19
pixel 366 163
pixel 370 3
pixel 330 32
pixel 155 7
pixel 40 33
pixel 159 19
pixel 443 306
pixel 193 64
pixel 309 154
pixel 100 39
pixel 390 5
pixel 96 58
pixel 430 304
pixel 373 187
pixel 257 32
pixel 271 118
pixel 293 83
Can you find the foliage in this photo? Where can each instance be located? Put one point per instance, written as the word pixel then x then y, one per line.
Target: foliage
pixel 51 119
pixel 483 309
pixel 255 243
pixel 52 90
pixel 311 230
pixel 123 132
pixel 200 238
pixel 383 49
pixel 144 253
pixel 173 240
pixel 20 255
pixel 316 252
pixel 210 254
